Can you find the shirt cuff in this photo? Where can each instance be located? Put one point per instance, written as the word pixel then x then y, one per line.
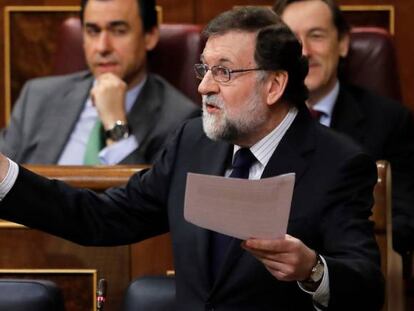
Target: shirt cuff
pixel 116 152
pixel 321 295
pixel 7 183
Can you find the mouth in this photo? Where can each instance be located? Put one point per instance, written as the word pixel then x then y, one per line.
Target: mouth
pixel 212 108
pixel 313 65
pixel 106 67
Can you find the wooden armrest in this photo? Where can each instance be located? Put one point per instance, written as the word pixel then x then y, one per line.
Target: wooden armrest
pixel 97 178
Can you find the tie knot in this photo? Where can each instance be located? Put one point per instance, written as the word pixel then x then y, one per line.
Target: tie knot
pixel 243 158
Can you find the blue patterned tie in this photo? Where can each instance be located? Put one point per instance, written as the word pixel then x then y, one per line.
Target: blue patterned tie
pixel 243 160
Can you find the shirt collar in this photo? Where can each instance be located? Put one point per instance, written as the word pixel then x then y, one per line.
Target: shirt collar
pixel 265 147
pixel 327 103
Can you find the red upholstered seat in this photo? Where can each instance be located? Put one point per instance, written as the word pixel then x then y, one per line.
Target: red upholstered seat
pixel 371 62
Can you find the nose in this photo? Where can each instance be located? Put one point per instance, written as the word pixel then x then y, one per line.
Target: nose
pixel 305 48
pixel 103 44
pixel 208 85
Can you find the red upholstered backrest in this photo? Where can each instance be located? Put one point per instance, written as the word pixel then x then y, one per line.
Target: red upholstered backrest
pixel 371 62
pixel 69 55
pixel 178 50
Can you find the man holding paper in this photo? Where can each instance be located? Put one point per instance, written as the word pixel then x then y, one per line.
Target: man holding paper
pixel 252 81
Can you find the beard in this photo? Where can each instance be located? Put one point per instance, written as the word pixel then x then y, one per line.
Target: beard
pixel 223 125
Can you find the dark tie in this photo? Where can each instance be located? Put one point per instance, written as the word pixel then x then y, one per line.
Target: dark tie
pixel 315 114
pixel 243 160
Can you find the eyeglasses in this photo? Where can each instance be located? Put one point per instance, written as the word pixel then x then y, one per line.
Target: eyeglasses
pixel 219 73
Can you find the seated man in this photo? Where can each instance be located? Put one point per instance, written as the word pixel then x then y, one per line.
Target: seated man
pixel 116 113
pixel 252 82
pixel 383 127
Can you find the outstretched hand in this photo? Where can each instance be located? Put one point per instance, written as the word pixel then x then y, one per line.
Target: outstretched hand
pixel 287 259
pixel 4 167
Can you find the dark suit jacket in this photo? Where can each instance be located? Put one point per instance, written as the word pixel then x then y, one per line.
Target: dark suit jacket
pixel 386 130
pixel 330 209
pixel 48 108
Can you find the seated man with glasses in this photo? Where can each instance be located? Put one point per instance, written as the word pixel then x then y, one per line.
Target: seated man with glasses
pixel 255 124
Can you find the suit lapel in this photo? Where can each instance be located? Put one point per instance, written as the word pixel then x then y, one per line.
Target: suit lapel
pixel 63 115
pixel 347 116
pixel 144 110
pixel 212 159
pixel 290 155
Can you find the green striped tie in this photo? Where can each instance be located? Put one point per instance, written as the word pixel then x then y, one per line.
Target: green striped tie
pixel 95 144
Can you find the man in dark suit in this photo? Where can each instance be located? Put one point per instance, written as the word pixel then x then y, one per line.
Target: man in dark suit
pixel 383 127
pixel 54 117
pixel 254 96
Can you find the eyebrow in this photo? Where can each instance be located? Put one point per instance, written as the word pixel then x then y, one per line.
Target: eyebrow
pixel 111 24
pixel 317 29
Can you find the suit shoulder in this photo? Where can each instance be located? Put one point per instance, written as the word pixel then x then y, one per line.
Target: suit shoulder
pixel 335 141
pixel 192 130
pixel 371 102
pixel 55 82
pixel 171 95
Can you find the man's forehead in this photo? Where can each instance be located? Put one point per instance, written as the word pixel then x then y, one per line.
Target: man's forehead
pixel 230 45
pixel 308 14
pixel 232 42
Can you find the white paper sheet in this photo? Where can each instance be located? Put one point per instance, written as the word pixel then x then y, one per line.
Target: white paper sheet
pixel 240 208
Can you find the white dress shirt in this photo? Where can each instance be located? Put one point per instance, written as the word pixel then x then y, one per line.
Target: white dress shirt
pixel 326 105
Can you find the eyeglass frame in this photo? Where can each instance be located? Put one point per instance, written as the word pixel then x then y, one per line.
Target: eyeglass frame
pixel 229 71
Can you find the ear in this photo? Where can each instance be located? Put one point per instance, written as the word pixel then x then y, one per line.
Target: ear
pixel 151 38
pixel 276 86
pixel 344 45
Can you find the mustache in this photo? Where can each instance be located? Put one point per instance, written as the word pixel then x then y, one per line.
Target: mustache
pixel 99 59
pixel 212 100
pixel 312 62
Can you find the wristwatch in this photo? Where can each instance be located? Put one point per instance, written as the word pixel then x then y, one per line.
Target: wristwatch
pixel 316 272
pixel 118 131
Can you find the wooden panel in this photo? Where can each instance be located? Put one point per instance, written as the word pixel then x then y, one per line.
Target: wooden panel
pixel 78 286
pixel 177 11
pixel 158 258
pixel 30 27
pixel 371 15
pixel 31 249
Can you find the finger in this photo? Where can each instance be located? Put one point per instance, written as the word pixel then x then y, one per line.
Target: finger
pixel 281 257
pixel 280 275
pixel 262 244
pixel 281 271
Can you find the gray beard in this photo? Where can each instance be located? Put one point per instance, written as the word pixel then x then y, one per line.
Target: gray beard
pixel 233 129
pixel 224 131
